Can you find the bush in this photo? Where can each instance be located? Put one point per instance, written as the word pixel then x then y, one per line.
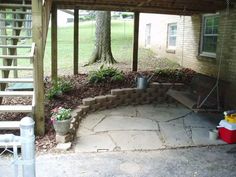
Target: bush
pixel 58 88
pixel 105 75
pixel 176 74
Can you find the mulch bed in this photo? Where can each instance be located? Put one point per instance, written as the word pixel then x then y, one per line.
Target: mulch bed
pixel 82 89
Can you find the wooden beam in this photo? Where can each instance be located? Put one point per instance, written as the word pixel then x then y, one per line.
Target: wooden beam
pixel 46 11
pixel 135 42
pixel 76 41
pixel 54 43
pixel 37 31
pixel 160 7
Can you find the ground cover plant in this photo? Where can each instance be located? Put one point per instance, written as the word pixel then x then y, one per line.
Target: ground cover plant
pixel 105 74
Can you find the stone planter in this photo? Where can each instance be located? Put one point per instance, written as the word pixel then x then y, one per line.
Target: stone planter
pixel 62 127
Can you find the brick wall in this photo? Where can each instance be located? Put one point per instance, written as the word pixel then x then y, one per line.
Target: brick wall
pixel 188 44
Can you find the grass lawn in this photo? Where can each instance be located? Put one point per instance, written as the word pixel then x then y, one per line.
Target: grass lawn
pixel 121 34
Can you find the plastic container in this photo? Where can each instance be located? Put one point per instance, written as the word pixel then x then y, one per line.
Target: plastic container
pixel 231 118
pixel 227 132
pixel 213 134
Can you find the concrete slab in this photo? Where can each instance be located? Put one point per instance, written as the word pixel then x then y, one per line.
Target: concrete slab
pixel 162 112
pixel 82 131
pixel 200 136
pixel 94 143
pixel 129 111
pixel 112 123
pixel 202 120
pixel 92 120
pixel 198 162
pixel 174 135
pixel 136 140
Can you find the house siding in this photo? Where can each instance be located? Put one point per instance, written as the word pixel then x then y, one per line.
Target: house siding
pixel 187 52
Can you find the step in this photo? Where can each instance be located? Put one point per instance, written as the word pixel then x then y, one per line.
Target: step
pixel 14 28
pixel 15 68
pixel 15 37
pixel 15 57
pixel 16 20
pixel 9 125
pixel 15 46
pixel 9 140
pixel 8 5
pixel 187 99
pixel 16 80
pixel 16 108
pixel 16 93
pixel 15 12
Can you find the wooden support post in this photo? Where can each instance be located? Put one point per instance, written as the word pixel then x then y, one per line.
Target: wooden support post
pixel 54 44
pixel 135 42
pixel 76 41
pixel 37 32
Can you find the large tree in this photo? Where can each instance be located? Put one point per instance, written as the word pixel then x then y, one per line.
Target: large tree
pixel 102 51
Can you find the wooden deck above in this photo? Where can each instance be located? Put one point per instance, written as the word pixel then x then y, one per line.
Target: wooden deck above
pixel 177 7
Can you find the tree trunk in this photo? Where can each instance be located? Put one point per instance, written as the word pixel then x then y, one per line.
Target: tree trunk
pixel 102 51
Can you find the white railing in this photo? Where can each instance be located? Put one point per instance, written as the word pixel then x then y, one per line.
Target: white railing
pixel 24 163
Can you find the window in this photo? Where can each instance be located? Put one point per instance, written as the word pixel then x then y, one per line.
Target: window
pixel 209 35
pixel 172 35
pixel 148 35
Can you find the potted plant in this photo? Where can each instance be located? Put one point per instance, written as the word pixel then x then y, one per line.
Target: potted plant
pixel 61 119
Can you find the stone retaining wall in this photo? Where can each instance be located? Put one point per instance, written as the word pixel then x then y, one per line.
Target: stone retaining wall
pixel 156 93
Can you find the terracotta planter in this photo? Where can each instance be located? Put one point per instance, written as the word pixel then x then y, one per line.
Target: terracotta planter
pixel 62 127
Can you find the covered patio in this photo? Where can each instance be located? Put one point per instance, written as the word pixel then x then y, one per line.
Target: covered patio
pixel 41 11
pixel 177 7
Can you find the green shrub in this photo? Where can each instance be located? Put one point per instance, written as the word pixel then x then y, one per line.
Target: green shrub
pixel 176 74
pixel 58 88
pixel 105 75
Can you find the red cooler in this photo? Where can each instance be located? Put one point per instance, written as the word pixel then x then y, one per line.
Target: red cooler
pixel 227 131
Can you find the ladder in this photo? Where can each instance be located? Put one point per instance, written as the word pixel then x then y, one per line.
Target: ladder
pixel 16 58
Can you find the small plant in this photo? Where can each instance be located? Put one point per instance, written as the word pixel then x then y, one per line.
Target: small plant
pixel 183 74
pixel 105 75
pixel 59 87
pixel 59 114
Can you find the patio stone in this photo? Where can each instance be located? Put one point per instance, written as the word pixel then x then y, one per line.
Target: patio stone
pixel 200 136
pixel 121 111
pixel 63 146
pixel 174 135
pixel 92 120
pixel 94 143
pixel 201 120
pixel 136 140
pixel 125 123
pixel 162 112
pixel 82 131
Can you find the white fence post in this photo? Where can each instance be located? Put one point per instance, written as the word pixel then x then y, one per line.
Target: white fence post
pixel 28 146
